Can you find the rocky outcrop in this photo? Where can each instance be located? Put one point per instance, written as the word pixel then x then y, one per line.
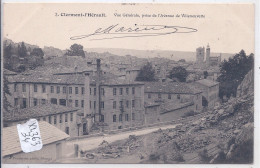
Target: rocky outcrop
pixel 247 85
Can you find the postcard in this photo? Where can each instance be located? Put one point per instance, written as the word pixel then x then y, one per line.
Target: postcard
pixel 128 83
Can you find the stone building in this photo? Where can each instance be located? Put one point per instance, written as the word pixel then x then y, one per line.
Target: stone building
pixel 209 60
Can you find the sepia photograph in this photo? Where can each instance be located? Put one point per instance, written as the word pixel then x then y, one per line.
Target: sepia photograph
pixel 128 83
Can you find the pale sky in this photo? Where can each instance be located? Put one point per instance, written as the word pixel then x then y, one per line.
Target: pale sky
pixel 227 28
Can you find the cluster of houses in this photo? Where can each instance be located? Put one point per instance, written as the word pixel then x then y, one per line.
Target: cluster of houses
pixel 80 101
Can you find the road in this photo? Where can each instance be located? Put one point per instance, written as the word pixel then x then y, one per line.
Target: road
pixel 94 142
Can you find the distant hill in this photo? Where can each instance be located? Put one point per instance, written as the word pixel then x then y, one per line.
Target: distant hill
pixel 53 52
pixel 174 55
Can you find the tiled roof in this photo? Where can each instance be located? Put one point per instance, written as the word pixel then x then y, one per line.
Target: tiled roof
pixel 207 82
pixel 8 72
pixel 170 87
pixel 173 105
pixel 11 143
pixel 36 111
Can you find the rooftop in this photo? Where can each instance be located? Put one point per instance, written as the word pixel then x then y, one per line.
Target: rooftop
pixel 170 87
pixel 11 141
pixel 37 111
pixel 206 82
pixel 173 105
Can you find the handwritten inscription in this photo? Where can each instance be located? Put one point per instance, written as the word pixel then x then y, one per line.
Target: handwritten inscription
pixel 117 31
pixel 29 135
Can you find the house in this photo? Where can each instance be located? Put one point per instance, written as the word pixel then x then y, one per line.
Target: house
pixel 210 90
pixel 67 119
pixel 52 150
pixel 106 100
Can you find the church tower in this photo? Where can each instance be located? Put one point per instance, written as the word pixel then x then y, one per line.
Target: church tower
pixel 200 53
pixel 208 55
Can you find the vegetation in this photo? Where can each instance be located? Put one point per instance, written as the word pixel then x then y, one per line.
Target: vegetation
pixel 206 74
pixel 179 73
pixel 147 73
pixel 76 50
pixel 232 72
pixel 6 103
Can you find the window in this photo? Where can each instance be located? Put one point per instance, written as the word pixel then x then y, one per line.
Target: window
pixel 44 118
pixel 66 117
pixel 133 116
pixel 114 118
pixel 127 104
pixel 90 104
pixel 103 91
pixel 121 104
pixel 50 119
pixel 60 118
pixel 120 117
pixel 90 91
pixel 76 90
pixel 15 101
pixel 82 90
pixel 64 89
pixel 159 95
pixel 102 118
pixel 127 91
pixel 58 89
pixel 82 103
pixel 114 91
pixel 178 96
pixel 70 90
pixel 121 91
pixel 76 103
pixel 24 87
pixel 35 89
pixel 169 96
pixel 149 95
pixel 55 119
pixel 53 101
pixel 52 89
pixel 133 90
pixel 94 104
pixel 43 101
pixel 62 102
pixel 114 104
pixel 102 104
pixel 71 116
pixel 24 103
pixel 35 102
pixel 126 117
pixel 95 91
pixel 67 130
pixel 43 89
pixel 15 87
pixel 133 103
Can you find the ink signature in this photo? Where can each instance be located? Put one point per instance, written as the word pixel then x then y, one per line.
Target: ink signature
pixel 117 31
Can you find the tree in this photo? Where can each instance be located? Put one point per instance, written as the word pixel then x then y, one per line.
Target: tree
pixel 7 56
pixel 76 50
pixel 37 52
pixel 206 74
pixel 232 72
pixel 6 104
pixel 178 72
pixel 182 60
pixel 147 73
pixel 22 51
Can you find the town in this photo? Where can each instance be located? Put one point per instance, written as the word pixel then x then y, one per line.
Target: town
pixel 80 95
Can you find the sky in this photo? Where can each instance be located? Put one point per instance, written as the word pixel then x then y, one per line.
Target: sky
pixel 228 28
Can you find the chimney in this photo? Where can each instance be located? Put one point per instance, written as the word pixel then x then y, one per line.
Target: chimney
pixel 87 111
pixel 98 117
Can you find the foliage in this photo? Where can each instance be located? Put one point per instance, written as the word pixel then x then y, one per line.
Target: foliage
pixel 147 73
pixel 179 72
pixel 6 90
pixel 204 102
pixel 182 60
pixel 76 50
pixel 206 74
pixel 22 51
pixel 233 71
pixel 37 52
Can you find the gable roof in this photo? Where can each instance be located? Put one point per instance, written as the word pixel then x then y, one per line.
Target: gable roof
pixel 174 105
pixel 37 111
pixel 206 82
pixel 11 143
pixel 170 87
